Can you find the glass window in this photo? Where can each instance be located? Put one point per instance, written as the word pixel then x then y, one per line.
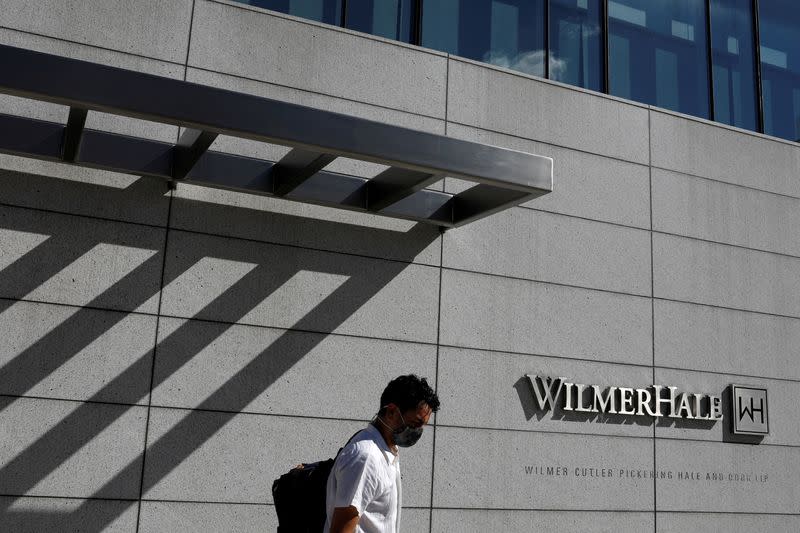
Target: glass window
pixel 780 67
pixel 328 11
pixel 733 60
pixel 386 18
pixel 658 54
pixel 576 43
pixel 508 33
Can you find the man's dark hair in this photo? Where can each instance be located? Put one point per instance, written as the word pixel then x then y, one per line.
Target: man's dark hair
pixel 407 392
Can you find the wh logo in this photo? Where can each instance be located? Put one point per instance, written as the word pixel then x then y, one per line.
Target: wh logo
pixel 750 412
pixel 749 406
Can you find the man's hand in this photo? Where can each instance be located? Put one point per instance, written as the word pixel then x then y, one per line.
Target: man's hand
pixel 344 520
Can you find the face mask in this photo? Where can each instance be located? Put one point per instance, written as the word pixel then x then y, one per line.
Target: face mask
pixel 405 435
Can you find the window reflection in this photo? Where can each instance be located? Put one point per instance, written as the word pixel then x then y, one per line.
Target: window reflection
pixel 733 60
pixel 576 43
pixel 657 53
pixel 780 67
pixel 328 11
pixel 508 33
pixel 386 18
pixel 657 49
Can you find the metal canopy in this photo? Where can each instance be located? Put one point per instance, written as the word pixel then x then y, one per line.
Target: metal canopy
pixel 416 159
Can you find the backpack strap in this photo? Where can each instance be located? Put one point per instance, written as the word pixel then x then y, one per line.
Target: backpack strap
pixel 346 443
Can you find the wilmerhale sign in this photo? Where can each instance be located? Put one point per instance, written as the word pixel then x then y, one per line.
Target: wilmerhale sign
pixel 656 401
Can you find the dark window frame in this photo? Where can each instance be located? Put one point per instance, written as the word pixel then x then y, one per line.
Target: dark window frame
pixel 757 44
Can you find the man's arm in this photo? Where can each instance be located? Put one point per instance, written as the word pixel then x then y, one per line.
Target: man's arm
pixel 344 520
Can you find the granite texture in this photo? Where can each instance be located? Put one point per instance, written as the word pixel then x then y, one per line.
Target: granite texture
pixel 496 478
pixel 456 521
pixel 702 149
pixel 522 243
pixel 34 515
pixel 699 337
pixel 728 214
pixel 55 351
pixel 584 185
pixel 240 281
pixel 767 480
pixel 70 449
pixel 232 336
pixel 725 276
pixel 519 105
pixel 229 457
pixel 252 44
pixel 488 312
pixel 261 370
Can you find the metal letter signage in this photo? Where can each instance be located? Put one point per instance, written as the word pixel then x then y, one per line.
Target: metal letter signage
pixel 749 410
pixel 656 401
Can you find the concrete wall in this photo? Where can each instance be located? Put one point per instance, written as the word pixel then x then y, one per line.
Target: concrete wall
pixel 165 355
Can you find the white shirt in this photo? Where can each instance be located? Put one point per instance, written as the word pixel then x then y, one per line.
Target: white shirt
pixel 366 475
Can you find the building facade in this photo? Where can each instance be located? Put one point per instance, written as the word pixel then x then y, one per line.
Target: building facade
pixel 733 61
pixel 166 354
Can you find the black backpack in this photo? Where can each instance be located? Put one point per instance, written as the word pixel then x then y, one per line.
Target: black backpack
pixel 300 494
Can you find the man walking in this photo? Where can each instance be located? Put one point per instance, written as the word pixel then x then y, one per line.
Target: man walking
pixel 364 493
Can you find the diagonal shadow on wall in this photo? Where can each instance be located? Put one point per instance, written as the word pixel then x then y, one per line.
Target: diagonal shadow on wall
pixel 364 279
